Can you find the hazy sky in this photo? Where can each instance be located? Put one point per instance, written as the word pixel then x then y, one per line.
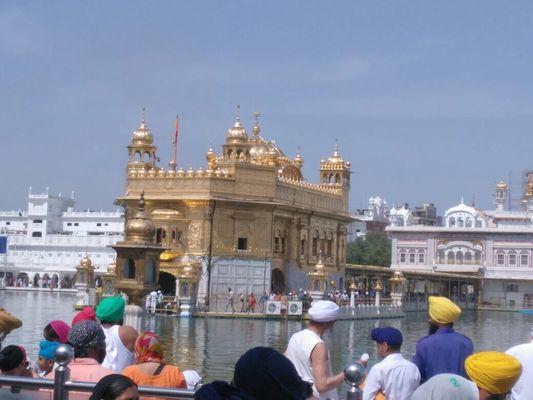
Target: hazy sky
pixel 430 100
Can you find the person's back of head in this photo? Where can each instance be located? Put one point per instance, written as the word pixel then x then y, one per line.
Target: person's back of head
pixel 111 310
pixel 88 340
pixel 446 387
pixel 113 387
pixel 12 360
pixel 266 374
pixel 494 373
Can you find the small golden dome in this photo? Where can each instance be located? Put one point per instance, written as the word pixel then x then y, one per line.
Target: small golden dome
pixel 142 135
pixel 501 185
pixel 140 227
pixel 237 133
pixel 298 160
pixel 86 262
pixel 335 158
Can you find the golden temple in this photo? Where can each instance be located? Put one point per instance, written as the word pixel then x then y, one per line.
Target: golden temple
pixel 249 220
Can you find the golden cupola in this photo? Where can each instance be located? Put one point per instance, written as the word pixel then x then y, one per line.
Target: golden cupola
pixel 212 159
pixel 142 135
pixel 335 171
pixel 141 151
pixel 259 149
pixel 140 227
pixel 86 262
pixel 501 185
pixel 298 160
pixel 237 134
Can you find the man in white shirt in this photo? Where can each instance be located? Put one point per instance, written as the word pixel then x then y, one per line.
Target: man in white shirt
pixel 523 389
pixel 395 377
pixel 309 354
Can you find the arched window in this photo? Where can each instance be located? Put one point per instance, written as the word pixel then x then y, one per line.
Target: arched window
pixel 137 157
pixel 441 256
pixel 460 222
pixel 330 178
pixel 400 221
pixel 337 178
pixel 459 257
pixel 451 257
pixel 500 258
pixel 159 235
pixel 477 258
pixel 129 269
pixel 524 259
pixel 468 223
pixel 403 255
pixel 324 178
pixel 412 256
pixel 451 222
pixel 146 157
pixel 512 258
pixel 230 154
pixel 421 257
pixel 468 257
pixel 303 246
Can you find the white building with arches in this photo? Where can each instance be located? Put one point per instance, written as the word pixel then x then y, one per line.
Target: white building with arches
pixel 494 245
pixel 46 241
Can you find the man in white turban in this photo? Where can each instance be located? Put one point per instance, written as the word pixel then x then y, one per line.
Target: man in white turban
pixel 309 353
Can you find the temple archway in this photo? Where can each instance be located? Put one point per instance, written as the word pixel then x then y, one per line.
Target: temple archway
pixel 167 282
pixel 278 280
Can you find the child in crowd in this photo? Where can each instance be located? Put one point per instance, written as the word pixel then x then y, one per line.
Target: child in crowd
pixel 46 356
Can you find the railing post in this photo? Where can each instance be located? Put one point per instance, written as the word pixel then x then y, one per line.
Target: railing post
pixel 354 375
pixel 64 355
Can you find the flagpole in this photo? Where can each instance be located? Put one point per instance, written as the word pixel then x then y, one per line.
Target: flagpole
pixel 174 161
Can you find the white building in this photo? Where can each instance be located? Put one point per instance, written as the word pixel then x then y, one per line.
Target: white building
pixel 372 219
pixel 495 245
pixel 46 242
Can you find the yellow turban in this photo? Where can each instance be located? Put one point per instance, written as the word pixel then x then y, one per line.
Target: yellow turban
pixel 442 310
pixel 8 322
pixel 493 371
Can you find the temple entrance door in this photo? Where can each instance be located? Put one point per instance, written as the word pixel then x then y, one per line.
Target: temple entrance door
pixel 168 283
pixel 278 281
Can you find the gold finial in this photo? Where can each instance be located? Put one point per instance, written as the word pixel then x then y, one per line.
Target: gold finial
pixel 142 202
pixel 143 114
pixel 256 128
pixel 238 118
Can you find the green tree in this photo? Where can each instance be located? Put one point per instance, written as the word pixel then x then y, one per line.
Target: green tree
pixel 374 249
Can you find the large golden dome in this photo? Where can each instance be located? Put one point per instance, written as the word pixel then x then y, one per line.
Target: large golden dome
pixel 140 227
pixel 142 135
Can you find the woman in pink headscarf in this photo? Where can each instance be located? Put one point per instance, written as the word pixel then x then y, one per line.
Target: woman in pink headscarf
pixel 56 331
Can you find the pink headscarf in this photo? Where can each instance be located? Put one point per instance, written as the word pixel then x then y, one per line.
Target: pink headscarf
pixel 62 330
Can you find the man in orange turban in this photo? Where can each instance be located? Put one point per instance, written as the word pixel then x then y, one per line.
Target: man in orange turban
pixel 494 373
pixel 444 350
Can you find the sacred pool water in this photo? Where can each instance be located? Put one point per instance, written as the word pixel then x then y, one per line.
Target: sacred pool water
pixel 211 346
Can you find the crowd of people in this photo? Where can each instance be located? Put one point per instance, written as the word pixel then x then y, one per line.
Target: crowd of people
pixel 119 359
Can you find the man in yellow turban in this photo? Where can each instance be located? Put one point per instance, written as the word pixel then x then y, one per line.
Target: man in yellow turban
pixel 494 373
pixel 7 323
pixel 444 350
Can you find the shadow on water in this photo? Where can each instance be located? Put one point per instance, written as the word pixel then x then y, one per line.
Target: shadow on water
pixel 212 346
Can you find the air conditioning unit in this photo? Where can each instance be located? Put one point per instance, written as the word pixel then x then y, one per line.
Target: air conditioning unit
pixel 294 308
pixel 273 308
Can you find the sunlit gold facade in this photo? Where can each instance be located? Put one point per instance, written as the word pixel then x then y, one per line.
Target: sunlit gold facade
pixel 249 203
